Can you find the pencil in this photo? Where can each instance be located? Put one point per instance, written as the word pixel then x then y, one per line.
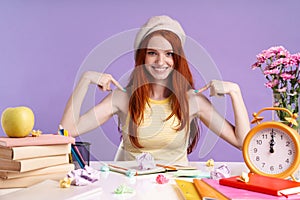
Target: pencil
pixel 119 169
pixel 79 155
pixel 169 168
pixel 75 153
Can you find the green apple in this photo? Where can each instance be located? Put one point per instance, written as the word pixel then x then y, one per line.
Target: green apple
pixel 18 121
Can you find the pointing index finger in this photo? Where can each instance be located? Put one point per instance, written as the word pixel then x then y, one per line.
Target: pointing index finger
pixel 117 84
pixel 203 88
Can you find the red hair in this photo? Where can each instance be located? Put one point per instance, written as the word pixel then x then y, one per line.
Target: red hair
pixel 181 81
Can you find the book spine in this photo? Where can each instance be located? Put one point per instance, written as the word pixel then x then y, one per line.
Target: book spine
pixel 61 168
pixel 6 153
pixel 26 152
pixel 44 139
pixel 9 165
pixel 245 186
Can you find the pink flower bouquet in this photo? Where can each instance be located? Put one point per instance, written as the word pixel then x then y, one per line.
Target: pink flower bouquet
pixel 281 70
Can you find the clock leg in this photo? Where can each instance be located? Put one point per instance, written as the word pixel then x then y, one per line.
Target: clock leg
pixel 293 177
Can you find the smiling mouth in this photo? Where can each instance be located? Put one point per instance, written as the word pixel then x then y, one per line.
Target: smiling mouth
pixel 160 69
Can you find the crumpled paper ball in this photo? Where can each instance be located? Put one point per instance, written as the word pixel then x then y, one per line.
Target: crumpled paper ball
pixel 130 172
pixel 36 133
pixel 122 189
pixel 161 179
pixel 210 163
pixel 145 161
pixel 104 168
pixel 221 172
pixel 83 176
pixel 244 177
pixel 65 183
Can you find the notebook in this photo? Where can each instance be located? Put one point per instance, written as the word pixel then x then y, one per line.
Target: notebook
pixel 238 194
pixel 124 166
pixel 264 184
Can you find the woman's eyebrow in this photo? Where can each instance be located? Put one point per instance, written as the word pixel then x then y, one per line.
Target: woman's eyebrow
pixel 152 49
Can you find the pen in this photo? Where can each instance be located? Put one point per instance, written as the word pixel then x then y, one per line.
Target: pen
pixel 74 151
pixel 122 170
pixel 62 131
pixel 79 155
pixel 169 168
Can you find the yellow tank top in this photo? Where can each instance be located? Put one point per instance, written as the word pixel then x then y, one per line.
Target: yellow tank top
pixel 157 136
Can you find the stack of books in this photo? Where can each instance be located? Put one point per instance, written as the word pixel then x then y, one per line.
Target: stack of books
pixel 30 160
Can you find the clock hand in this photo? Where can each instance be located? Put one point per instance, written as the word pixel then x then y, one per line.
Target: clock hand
pixel 272 142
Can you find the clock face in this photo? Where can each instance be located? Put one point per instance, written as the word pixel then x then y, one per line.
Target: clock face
pixel 272 151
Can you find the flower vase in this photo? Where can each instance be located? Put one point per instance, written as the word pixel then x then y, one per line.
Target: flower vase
pixel 288 101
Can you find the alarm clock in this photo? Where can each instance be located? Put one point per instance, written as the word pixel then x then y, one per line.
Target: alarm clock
pixel 272 148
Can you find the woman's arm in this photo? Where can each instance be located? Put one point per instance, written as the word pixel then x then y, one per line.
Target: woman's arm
pixel 76 124
pixel 234 134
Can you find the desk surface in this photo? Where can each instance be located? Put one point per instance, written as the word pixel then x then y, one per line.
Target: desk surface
pixel 145 186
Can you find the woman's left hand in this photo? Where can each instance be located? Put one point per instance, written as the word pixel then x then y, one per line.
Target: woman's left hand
pixel 219 88
pixel 233 134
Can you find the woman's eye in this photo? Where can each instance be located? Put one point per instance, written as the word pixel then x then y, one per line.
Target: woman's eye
pixel 151 53
pixel 170 54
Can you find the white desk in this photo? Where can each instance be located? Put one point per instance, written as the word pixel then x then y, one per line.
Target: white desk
pixel 145 186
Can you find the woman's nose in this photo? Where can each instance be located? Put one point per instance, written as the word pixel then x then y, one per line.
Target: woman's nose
pixel 160 60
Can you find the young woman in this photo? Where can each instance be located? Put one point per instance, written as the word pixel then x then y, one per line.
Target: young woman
pixel 159 108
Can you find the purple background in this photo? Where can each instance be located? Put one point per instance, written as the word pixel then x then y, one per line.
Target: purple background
pixel 44 44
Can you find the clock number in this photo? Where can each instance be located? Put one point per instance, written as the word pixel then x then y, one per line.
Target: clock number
pixel 287 160
pixel 287 144
pixel 263 165
pixel 259 142
pixel 280 166
pixel 257 158
pixel 255 150
pixel 272 168
pixel 290 152
pixel 265 136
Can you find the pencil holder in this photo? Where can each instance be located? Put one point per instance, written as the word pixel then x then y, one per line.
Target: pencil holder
pixel 84 150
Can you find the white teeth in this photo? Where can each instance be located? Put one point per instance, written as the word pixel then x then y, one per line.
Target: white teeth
pixel 160 68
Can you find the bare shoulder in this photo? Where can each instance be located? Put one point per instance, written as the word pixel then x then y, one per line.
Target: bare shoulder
pixel 197 97
pixel 120 100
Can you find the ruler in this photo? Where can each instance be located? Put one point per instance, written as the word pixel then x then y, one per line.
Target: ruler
pixel 188 190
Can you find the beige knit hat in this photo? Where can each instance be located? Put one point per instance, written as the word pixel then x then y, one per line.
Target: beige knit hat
pixel 159 23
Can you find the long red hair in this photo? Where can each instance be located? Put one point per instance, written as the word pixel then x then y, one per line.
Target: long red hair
pixel 181 81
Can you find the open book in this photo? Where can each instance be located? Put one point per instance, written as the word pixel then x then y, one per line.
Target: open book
pixel 124 166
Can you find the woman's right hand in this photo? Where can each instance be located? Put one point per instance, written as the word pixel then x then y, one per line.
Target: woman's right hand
pixel 220 88
pixel 103 81
pixel 72 119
